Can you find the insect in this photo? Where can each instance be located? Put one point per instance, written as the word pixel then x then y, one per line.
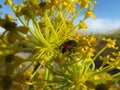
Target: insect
pixel 68 46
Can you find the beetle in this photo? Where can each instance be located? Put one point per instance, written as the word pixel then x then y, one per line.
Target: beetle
pixel 68 45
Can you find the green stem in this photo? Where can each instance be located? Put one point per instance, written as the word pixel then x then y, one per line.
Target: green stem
pixel 33 34
pixel 89 66
pixel 39 34
pixel 98 54
pixel 61 22
pixel 21 21
pixel 105 69
pixel 52 28
pixel 46 76
pixel 116 76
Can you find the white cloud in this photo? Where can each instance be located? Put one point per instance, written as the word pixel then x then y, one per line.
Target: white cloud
pixel 102 25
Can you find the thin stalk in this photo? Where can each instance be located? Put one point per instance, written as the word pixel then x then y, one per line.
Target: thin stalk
pixel 76 26
pixel 116 76
pixel 52 28
pixel 33 34
pixel 93 65
pixel 90 65
pixel 21 21
pixel 17 16
pixel 28 26
pixel 39 33
pixel 36 31
pixel 65 17
pixel 27 67
pixel 105 69
pixel 98 54
pixel 40 65
pixel 46 76
pixel 78 12
pixel 40 53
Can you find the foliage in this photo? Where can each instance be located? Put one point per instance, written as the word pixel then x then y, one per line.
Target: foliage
pixel 46 26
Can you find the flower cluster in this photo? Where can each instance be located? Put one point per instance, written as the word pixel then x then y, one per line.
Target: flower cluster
pixel 113 60
pixel 110 43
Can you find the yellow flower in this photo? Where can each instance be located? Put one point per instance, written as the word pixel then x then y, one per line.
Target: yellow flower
pixel 17 8
pixel 66 2
pixel 83 3
pixel 82 25
pixel 78 36
pixel 89 13
pixel 9 17
pixel 86 3
pixel 116 59
pixel 93 3
pixel 116 54
pixel 110 43
pixel 9 2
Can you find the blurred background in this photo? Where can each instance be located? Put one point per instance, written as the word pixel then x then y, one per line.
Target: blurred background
pixel 107 16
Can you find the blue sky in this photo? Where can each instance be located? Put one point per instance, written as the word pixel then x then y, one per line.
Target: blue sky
pixel 107 15
pixel 107 9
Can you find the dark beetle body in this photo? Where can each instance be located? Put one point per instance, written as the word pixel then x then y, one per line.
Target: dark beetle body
pixel 67 46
